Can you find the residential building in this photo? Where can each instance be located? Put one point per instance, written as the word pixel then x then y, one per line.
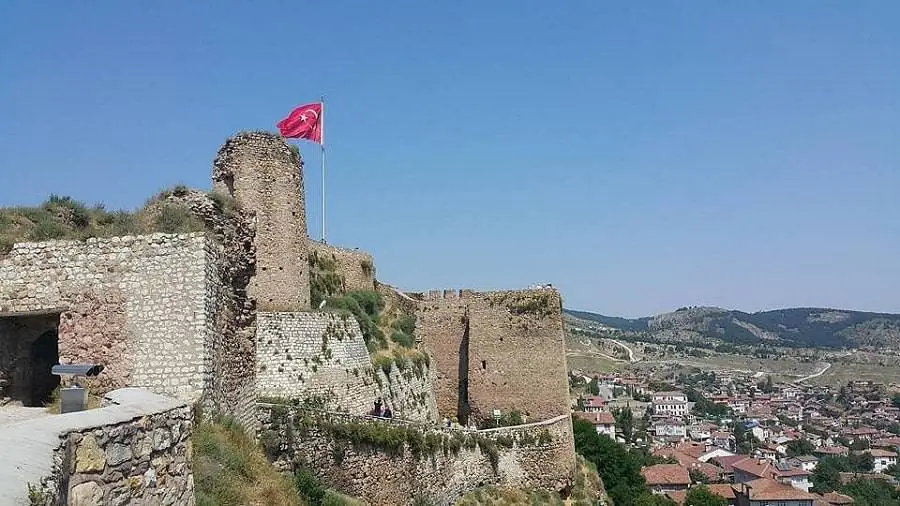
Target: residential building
pixel 805 462
pixel 604 422
pixel 662 478
pixel 671 430
pixel 669 403
pixel 593 404
pixel 768 492
pixel 750 469
pixel 883 459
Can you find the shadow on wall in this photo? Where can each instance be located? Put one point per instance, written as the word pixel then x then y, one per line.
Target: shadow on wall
pixel 462 410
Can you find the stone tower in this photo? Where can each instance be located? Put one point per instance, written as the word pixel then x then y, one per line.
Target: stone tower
pixel 265 177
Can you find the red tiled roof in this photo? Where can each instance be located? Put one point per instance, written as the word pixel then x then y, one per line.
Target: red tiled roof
pixel 836 498
pixel 725 490
pixel 695 450
pixel 666 474
pixel 727 462
pixel 881 453
pixel 753 466
pixel 767 489
pixel 594 402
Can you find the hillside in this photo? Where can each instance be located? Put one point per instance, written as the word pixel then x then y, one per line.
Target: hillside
pixel 797 327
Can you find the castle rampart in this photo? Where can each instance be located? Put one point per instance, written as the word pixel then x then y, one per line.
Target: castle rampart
pixel 496 351
pixel 422 462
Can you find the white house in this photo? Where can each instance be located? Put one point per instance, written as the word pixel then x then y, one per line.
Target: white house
pixel 670 429
pixel 669 403
pixel 604 422
pixel 883 459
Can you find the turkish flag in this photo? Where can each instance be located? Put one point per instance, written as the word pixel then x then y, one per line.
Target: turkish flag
pixel 304 122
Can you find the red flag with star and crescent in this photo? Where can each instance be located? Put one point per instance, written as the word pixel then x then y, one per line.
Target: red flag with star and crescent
pixel 304 122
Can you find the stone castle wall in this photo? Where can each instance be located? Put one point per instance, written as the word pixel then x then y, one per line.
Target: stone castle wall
pixel 134 304
pixel 357 267
pixel 316 356
pixel 444 465
pixel 266 178
pixel 408 392
pixel 496 351
pixel 135 451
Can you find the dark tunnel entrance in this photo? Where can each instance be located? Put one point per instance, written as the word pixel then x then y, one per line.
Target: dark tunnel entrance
pixel 29 347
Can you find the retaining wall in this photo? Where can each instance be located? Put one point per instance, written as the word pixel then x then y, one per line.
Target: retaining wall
pixel 436 464
pixel 136 450
pixel 320 357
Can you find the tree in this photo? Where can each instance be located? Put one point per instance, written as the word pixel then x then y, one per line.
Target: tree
pixel 896 400
pixel 594 387
pixel 866 492
pixel 620 468
pixel 701 496
pixel 826 476
pixel 744 440
pixel 625 421
pixel 799 447
pixel 697 476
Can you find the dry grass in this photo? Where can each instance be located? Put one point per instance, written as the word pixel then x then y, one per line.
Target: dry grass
pixel 494 496
pixel 230 469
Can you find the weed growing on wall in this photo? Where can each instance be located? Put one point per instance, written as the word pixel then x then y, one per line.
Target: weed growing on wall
pixel 324 279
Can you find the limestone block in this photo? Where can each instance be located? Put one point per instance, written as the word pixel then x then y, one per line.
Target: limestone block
pixel 86 494
pixel 117 453
pixel 89 458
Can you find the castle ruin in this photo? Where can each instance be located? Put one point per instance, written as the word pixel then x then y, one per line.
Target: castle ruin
pixel 223 319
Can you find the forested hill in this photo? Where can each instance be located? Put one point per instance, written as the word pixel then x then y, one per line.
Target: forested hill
pixel 813 327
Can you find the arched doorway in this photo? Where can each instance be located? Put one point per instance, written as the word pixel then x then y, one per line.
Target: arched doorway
pixel 44 355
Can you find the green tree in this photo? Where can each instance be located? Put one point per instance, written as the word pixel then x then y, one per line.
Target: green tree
pixel 866 492
pixel 594 387
pixel 800 446
pixel 620 468
pixel 744 440
pixel 625 421
pixel 896 400
pixel 697 476
pixel 702 496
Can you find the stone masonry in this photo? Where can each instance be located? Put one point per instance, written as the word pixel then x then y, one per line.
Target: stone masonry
pixel 266 178
pixel 134 304
pixel 136 450
pixel 408 392
pixel 496 351
pixel 315 356
pixel 448 464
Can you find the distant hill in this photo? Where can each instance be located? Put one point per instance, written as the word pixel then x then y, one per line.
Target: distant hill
pixel 806 327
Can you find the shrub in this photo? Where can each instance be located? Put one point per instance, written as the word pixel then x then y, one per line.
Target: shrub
pixel 176 219
pixel 402 339
pixel 309 487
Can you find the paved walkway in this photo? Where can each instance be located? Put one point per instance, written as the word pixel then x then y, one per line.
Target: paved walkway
pixel 13 414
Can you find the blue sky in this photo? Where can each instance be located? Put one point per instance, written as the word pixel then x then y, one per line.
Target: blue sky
pixel 639 155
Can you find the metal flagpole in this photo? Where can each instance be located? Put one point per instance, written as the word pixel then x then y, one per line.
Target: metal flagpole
pixel 324 234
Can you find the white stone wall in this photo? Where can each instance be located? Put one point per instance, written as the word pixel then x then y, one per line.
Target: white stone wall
pixel 314 356
pixel 408 392
pixel 160 283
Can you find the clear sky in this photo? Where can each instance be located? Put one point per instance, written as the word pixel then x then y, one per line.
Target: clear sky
pixel 641 156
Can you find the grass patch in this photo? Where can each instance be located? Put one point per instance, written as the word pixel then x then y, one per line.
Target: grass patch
pixel 495 496
pixel 230 469
pixel 62 217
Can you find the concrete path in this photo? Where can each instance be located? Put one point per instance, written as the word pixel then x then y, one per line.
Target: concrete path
pixel 13 414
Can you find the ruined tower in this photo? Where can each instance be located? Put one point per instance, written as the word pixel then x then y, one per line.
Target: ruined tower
pixel 265 177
